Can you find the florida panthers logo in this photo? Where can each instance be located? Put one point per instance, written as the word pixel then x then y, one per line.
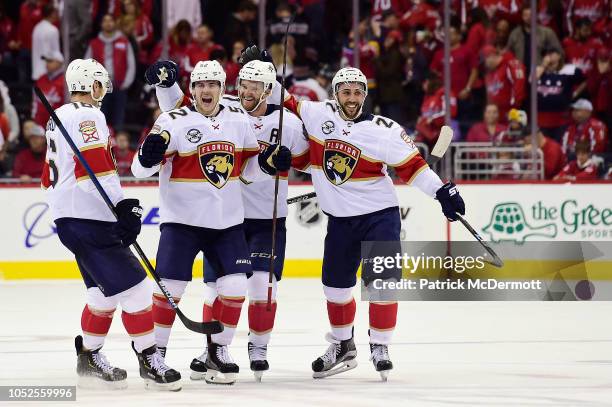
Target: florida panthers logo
pixel 217 161
pixel 339 160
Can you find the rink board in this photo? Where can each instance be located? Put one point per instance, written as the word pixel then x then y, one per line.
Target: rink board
pixel 29 248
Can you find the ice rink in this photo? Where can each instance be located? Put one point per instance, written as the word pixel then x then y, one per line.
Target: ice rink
pixel 445 354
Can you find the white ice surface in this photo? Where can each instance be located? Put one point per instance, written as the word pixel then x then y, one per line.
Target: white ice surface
pixel 445 354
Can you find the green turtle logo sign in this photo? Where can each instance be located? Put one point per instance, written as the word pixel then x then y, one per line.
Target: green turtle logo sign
pixel 509 223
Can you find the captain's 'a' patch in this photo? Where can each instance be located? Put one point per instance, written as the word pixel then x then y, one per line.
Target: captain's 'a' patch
pixel 217 161
pixel 339 160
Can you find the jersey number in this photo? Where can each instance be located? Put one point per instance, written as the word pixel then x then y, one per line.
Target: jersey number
pixel 52 167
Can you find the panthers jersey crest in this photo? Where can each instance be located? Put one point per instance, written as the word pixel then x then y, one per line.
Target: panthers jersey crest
pixel 339 160
pixel 217 161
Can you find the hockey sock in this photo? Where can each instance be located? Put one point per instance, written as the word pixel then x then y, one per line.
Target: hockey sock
pixel 140 327
pixel 163 313
pixel 383 316
pixel 261 322
pixel 95 325
pixel 341 318
pixel 231 291
pixel 341 309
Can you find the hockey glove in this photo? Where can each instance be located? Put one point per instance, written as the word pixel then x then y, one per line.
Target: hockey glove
pixel 153 148
pixel 451 201
pixel 274 158
pixel 128 223
pixel 162 73
pixel 253 53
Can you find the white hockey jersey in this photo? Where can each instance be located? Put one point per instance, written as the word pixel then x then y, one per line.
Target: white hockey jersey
pixel 199 179
pixel 69 191
pixel 349 160
pixel 258 196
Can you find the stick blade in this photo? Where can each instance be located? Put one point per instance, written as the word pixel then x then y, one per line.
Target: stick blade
pixel 207 328
pixel 444 140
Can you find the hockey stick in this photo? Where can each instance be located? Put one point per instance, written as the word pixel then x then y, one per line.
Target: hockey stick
pixel 438 151
pixel 200 327
pixel 277 178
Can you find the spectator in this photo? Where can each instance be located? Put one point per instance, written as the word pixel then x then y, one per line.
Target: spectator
pixel 558 84
pixel 239 25
pixel 201 47
pixel 505 80
pixel 123 154
pixel 79 16
pixel 463 74
pixel 496 9
pixel 580 169
pixel 231 69
pixel 554 159
pixel 299 30
pixel 519 40
pixel 479 31
pixel 45 38
pixel 389 77
pixel 30 13
pixel 502 33
pixel 550 14
pixel 490 129
pixel 112 49
pixel 29 162
pixel 127 26
pixel 433 110
pixel 52 84
pixel 11 114
pixel 424 15
pixel 585 128
pixel 305 87
pixel 581 48
pixel 143 29
pixel 8 42
pixel 189 10
pixel 599 85
pixel 595 10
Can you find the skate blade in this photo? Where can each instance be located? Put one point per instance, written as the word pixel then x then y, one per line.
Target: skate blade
pixel 154 386
pixel 216 377
pixel 95 383
pixel 195 375
pixel 384 375
pixel 258 375
pixel 342 367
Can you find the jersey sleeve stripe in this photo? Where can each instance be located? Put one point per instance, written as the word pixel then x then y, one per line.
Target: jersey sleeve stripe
pixel 409 170
pixel 99 159
pixel 301 161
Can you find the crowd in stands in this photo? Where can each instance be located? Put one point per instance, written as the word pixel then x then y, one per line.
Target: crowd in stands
pixel 400 50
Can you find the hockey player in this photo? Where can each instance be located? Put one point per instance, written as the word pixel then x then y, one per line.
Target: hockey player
pixel 211 146
pixel 349 155
pixel 255 82
pixel 88 229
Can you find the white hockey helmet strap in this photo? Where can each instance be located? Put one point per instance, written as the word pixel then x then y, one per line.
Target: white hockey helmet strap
pixel 259 71
pixel 349 75
pixel 208 71
pixel 82 73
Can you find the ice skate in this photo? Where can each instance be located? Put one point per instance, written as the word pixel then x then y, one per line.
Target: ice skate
pixel 198 366
pixel 95 371
pixel 156 374
pixel 259 363
pixel 339 357
pixel 380 358
pixel 220 367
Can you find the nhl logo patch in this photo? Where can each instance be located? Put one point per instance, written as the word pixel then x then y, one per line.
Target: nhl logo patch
pixel 339 160
pixel 217 161
pixel 328 127
pixel 194 136
pixel 88 131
